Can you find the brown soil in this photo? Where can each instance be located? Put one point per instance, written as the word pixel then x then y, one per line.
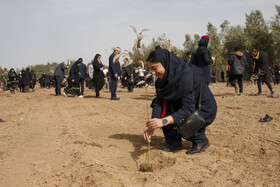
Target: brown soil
pixel 57 141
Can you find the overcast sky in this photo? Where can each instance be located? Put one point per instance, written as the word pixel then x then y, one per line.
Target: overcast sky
pixel 40 31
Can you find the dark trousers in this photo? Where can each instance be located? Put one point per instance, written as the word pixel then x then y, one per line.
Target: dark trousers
pixel 113 83
pixel 58 82
pixel 82 83
pixel 171 135
pixel 232 79
pixel 26 87
pixel 263 78
pixel 130 87
pixel 277 79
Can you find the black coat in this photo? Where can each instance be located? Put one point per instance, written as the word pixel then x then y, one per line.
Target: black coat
pixel 127 71
pixel 59 71
pixel 261 62
pixel 204 59
pixel 237 62
pixel 26 77
pixel 183 93
pixel 74 72
pixel 114 68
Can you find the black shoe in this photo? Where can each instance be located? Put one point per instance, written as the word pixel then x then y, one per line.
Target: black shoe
pixel 115 98
pixel 197 148
pixel 267 118
pixel 259 93
pixel 172 147
pixel 97 94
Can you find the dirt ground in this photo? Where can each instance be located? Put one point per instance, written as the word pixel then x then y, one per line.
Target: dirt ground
pixel 57 141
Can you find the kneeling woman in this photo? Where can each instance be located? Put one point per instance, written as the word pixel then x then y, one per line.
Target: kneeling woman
pixel 178 89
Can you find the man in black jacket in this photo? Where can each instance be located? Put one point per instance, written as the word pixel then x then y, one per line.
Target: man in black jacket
pixel 114 72
pixel 261 70
pixel 58 77
pixel 237 62
pixel 26 80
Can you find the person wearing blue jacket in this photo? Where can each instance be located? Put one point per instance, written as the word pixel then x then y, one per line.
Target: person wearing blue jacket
pixel 83 76
pixel 114 73
pixel 204 58
pixel 178 89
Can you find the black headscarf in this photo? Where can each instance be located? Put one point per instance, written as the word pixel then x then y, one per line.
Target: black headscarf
pixel 74 71
pixel 11 74
pixel 178 77
pixel 203 42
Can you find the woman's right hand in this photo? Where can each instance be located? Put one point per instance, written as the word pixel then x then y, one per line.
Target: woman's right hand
pixel 73 80
pixel 148 135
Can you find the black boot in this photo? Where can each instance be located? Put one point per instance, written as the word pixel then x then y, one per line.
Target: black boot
pixel 172 147
pixel 197 148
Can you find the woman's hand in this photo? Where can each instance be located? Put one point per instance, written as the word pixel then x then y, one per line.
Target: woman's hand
pixel 148 135
pixel 154 123
pixel 73 80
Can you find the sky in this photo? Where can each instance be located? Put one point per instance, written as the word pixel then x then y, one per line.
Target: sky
pixel 41 31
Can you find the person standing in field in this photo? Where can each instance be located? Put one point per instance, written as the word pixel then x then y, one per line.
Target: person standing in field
pixel 204 58
pixel 114 73
pixel 59 74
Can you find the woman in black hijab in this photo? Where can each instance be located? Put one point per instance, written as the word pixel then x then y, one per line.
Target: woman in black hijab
pixel 178 90
pixel 12 80
pixel 204 58
pixel 98 75
pixel 73 80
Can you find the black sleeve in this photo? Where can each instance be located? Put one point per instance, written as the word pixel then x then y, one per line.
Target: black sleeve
pixel 157 108
pixel 206 56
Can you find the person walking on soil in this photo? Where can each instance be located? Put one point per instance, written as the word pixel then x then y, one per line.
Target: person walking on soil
pixel 178 88
pixel 261 70
pixel 237 62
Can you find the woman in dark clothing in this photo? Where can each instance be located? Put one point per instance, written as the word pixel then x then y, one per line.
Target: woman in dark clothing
pixel 73 80
pixel 204 58
pixel 98 75
pixel 178 90
pixel 12 80
pixel 127 74
pixel 26 80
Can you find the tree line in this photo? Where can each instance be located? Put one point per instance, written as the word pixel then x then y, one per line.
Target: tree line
pixel 257 33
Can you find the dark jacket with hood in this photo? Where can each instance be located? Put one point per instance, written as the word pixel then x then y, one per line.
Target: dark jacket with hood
pixel 204 59
pixel 180 87
pixel 237 62
pixel 261 62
